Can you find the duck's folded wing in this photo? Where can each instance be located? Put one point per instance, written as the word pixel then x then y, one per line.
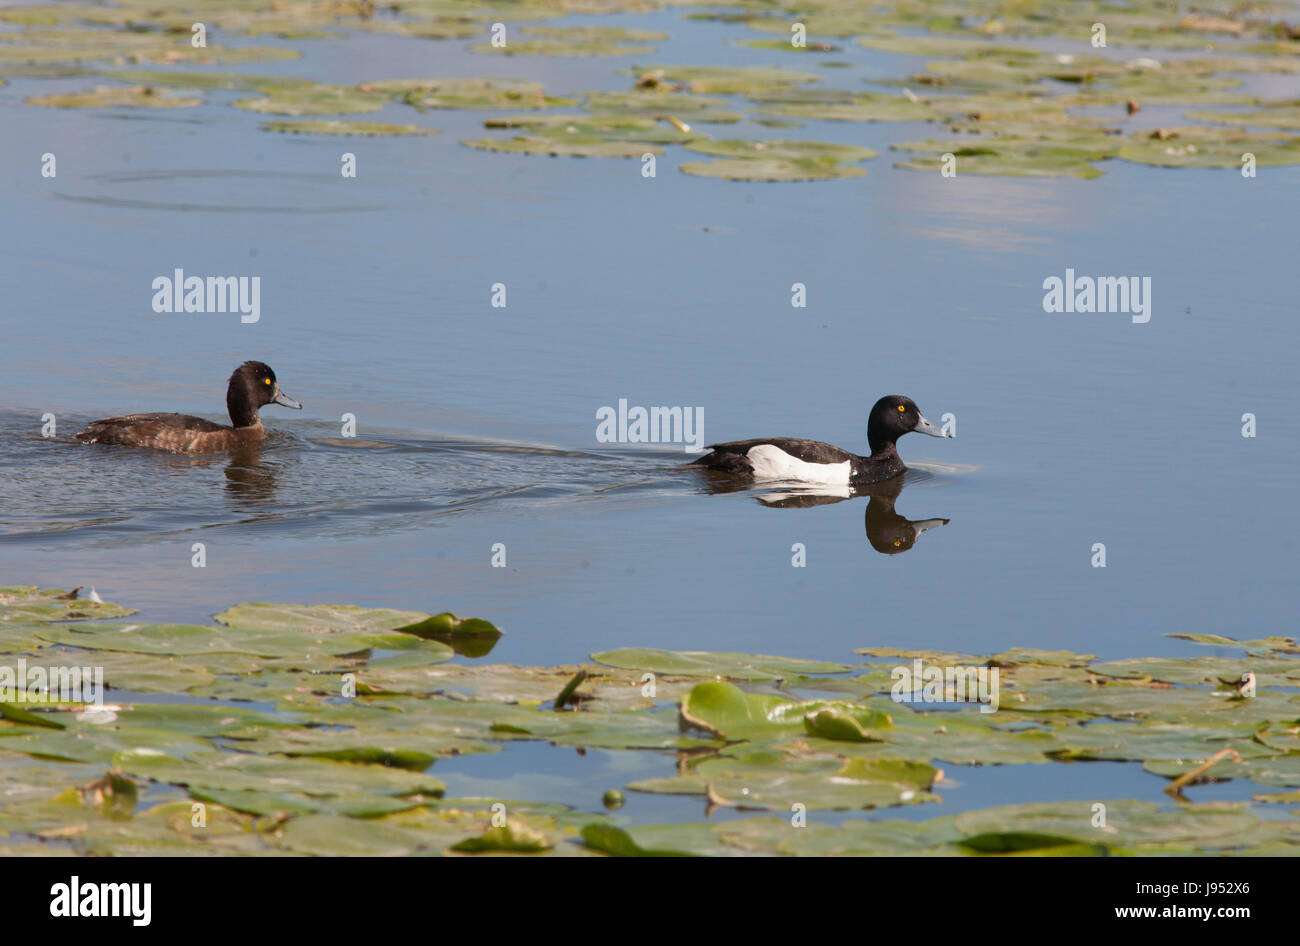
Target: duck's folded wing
pixel 726 456
pixel 135 429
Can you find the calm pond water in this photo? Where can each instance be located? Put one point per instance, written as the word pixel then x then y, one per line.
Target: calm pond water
pixel 477 425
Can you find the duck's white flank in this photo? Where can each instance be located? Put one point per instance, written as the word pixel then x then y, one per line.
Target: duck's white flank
pixel 783 495
pixel 773 463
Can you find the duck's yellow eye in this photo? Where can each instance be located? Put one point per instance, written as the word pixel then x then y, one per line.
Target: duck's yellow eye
pixel 268 381
pixel 901 408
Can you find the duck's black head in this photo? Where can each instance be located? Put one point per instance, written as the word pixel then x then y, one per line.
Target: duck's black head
pixel 894 416
pixel 253 385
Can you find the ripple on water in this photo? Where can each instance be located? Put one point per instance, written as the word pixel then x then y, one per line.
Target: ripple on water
pixel 58 491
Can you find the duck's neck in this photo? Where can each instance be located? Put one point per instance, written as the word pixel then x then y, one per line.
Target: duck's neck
pixel 251 433
pixel 882 448
pixel 242 411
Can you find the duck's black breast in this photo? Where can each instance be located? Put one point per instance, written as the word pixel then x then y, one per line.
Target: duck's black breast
pixel 867 470
pixel 178 433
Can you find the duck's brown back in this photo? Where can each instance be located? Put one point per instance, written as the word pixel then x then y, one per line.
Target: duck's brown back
pixel 177 433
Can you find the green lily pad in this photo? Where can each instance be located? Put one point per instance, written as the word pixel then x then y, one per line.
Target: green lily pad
pixel 275 803
pixel 515 836
pixel 506 684
pixel 1127 699
pixel 1204 147
pixel 329 775
pixel 662 103
pixel 1020 157
pixel 1283 644
pixel 766 835
pixel 551 47
pixel 698 663
pixel 615 841
pixel 24 604
pixel 1160 90
pixel 140 673
pixel 433 829
pixel 589 730
pixel 1203 671
pixel 773 781
pixel 722 80
pixel 447 628
pixel 577 41
pixel 163 829
pixel 728 711
pixel 338 836
pixel 1047 658
pixel 777 160
pixel 773 169
pixel 237 771
pixel 16 714
pixel 1023 843
pixel 467 93
pixel 608 34
pixel 204 80
pixel 342 127
pixel 448 28
pixel 414 751
pixel 829 19
pixel 1278 771
pixel 188 639
pixel 930 656
pixel 932 45
pixel 791 149
pixel 134 46
pixel 314 100
pixel 784 45
pixel 1152 741
pixel 865 107
pixel 607 126
pixel 846 724
pixel 101 744
pixel 261 616
pixel 964 739
pixel 1133 825
pixel 568 147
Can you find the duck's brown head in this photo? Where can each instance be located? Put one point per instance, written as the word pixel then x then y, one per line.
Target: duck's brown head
pixel 253 385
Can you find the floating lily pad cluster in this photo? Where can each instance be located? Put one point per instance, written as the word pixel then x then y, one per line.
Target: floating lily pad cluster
pixel 319 730
pixel 1015 109
pixel 778 160
pixel 576 41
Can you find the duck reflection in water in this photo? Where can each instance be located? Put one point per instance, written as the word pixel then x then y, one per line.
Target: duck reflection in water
pixel 888 532
pixel 249 480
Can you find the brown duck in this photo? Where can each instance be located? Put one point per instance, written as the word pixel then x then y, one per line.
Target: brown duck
pixel 252 385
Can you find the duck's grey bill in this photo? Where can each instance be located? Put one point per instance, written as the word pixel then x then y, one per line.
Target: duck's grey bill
pixel 923 426
pixel 285 400
pixel 922 526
